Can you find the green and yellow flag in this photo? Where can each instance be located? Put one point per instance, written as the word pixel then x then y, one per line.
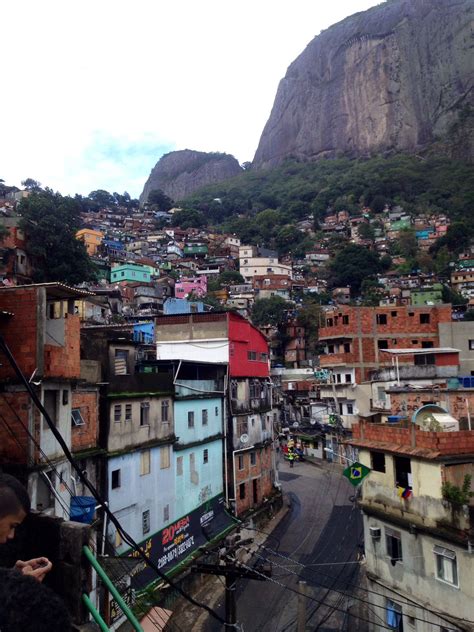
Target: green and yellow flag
pixel 356 473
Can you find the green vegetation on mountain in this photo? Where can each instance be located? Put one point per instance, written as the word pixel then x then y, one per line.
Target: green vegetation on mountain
pixel 262 207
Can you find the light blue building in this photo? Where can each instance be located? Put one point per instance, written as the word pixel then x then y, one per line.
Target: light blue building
pixel 134 480
pixel 182 306
pixel 130 272
pixel 198 453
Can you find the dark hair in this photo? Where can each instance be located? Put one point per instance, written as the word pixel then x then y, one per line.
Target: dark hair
pixel 26 604
pixel 13 496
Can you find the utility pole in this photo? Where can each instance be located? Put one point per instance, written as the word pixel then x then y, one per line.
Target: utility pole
pixel 301 617
pixel 232 570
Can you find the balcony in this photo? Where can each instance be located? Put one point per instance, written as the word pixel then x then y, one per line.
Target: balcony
pixel 252 405
pixel 141 383
pixel 412 372
pixel 337 359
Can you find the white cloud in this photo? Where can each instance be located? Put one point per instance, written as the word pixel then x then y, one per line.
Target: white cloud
pixel 91 88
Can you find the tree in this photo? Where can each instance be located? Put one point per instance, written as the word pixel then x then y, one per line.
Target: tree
pixel 101 198
pixel 188 218
pixel 231 277
pixel 158 201
pixel 269 311
pixel 287 238
pixel 352 265
pixel 50 222
pixel 365 231
pixel 309 317
pixel 31 185
pixel 451 296
pixel 407 243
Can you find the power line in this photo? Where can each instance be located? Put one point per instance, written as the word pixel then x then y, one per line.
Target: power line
pixel 126 537
pixel 64 507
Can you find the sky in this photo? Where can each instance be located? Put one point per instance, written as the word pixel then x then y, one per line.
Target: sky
pixel 95 92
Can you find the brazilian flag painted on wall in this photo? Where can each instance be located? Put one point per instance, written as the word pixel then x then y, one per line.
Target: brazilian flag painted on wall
pixel 356 473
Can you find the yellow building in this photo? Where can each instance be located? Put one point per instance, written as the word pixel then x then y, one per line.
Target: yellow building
pixel 91 239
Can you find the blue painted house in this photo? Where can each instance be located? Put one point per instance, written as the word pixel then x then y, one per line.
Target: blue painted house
pixel 131 272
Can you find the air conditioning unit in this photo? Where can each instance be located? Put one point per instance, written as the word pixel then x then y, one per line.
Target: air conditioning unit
pixel 375 533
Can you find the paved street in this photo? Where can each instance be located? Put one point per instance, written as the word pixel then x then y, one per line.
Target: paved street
pixel 320 534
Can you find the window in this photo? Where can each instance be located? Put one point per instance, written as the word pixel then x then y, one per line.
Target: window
pixel 164 411
pixel 204 417
pixel 76 417
pixel 144 462
pixel 179 466
pixel 471 345
pixel 330 348
pixel 263 357
pixel 51 404
pixel 424 359
pixel 128 412
pixel 414 342
pixel 381 319
pixel 118 413
pixel 116 479
pixel 347 347
pixel 164 457
pixel 427 344
pixel 424 319
pixel 144 414
pixel 348 378
pixel 382 344
pixel 377 461
pixel 394 616
pixel 121 362
pixel 253 458
pixel 255 390
pixel 393 540
pixel 329 322
pixel 241 462
pixel 393 314
pixel 146 522
pixel 446 565
pixel 252 355
pixel 190 419
pixel 242 491
pixel 233 389
pixel 216 411
pixel 166 513
pixel 350 409
pixel 205 456
pixel 345 320
pixel 403 471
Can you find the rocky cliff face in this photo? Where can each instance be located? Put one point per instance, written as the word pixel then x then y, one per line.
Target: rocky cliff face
pixel 179 173
pixel 398 77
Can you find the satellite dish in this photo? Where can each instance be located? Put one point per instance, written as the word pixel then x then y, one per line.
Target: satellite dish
pixel 295 424
pixel 312 421
pixel 244 438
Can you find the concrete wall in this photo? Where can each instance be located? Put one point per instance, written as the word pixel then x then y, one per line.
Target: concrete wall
pixel 198 481
pixel 457 334
pixel 415 577
pixel 129 433
pixel 138 493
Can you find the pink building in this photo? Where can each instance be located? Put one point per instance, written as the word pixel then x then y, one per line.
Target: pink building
pixel 196 286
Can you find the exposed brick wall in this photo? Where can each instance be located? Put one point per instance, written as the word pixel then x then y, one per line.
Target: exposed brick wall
pixel 65 362
pixel 363 329
pixel 14 415
pixel 446 443
pixel 455 402
pixel 261 471
pixel 20 330
pixel 85 437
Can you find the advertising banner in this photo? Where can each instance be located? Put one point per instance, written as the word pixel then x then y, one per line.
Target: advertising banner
pixel 177 541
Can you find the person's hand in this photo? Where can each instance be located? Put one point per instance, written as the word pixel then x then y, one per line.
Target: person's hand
pixel 38 567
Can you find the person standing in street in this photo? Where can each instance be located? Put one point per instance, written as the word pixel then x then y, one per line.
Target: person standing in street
pixel 291 457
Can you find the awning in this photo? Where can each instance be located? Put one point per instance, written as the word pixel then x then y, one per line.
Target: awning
pixel 399 352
